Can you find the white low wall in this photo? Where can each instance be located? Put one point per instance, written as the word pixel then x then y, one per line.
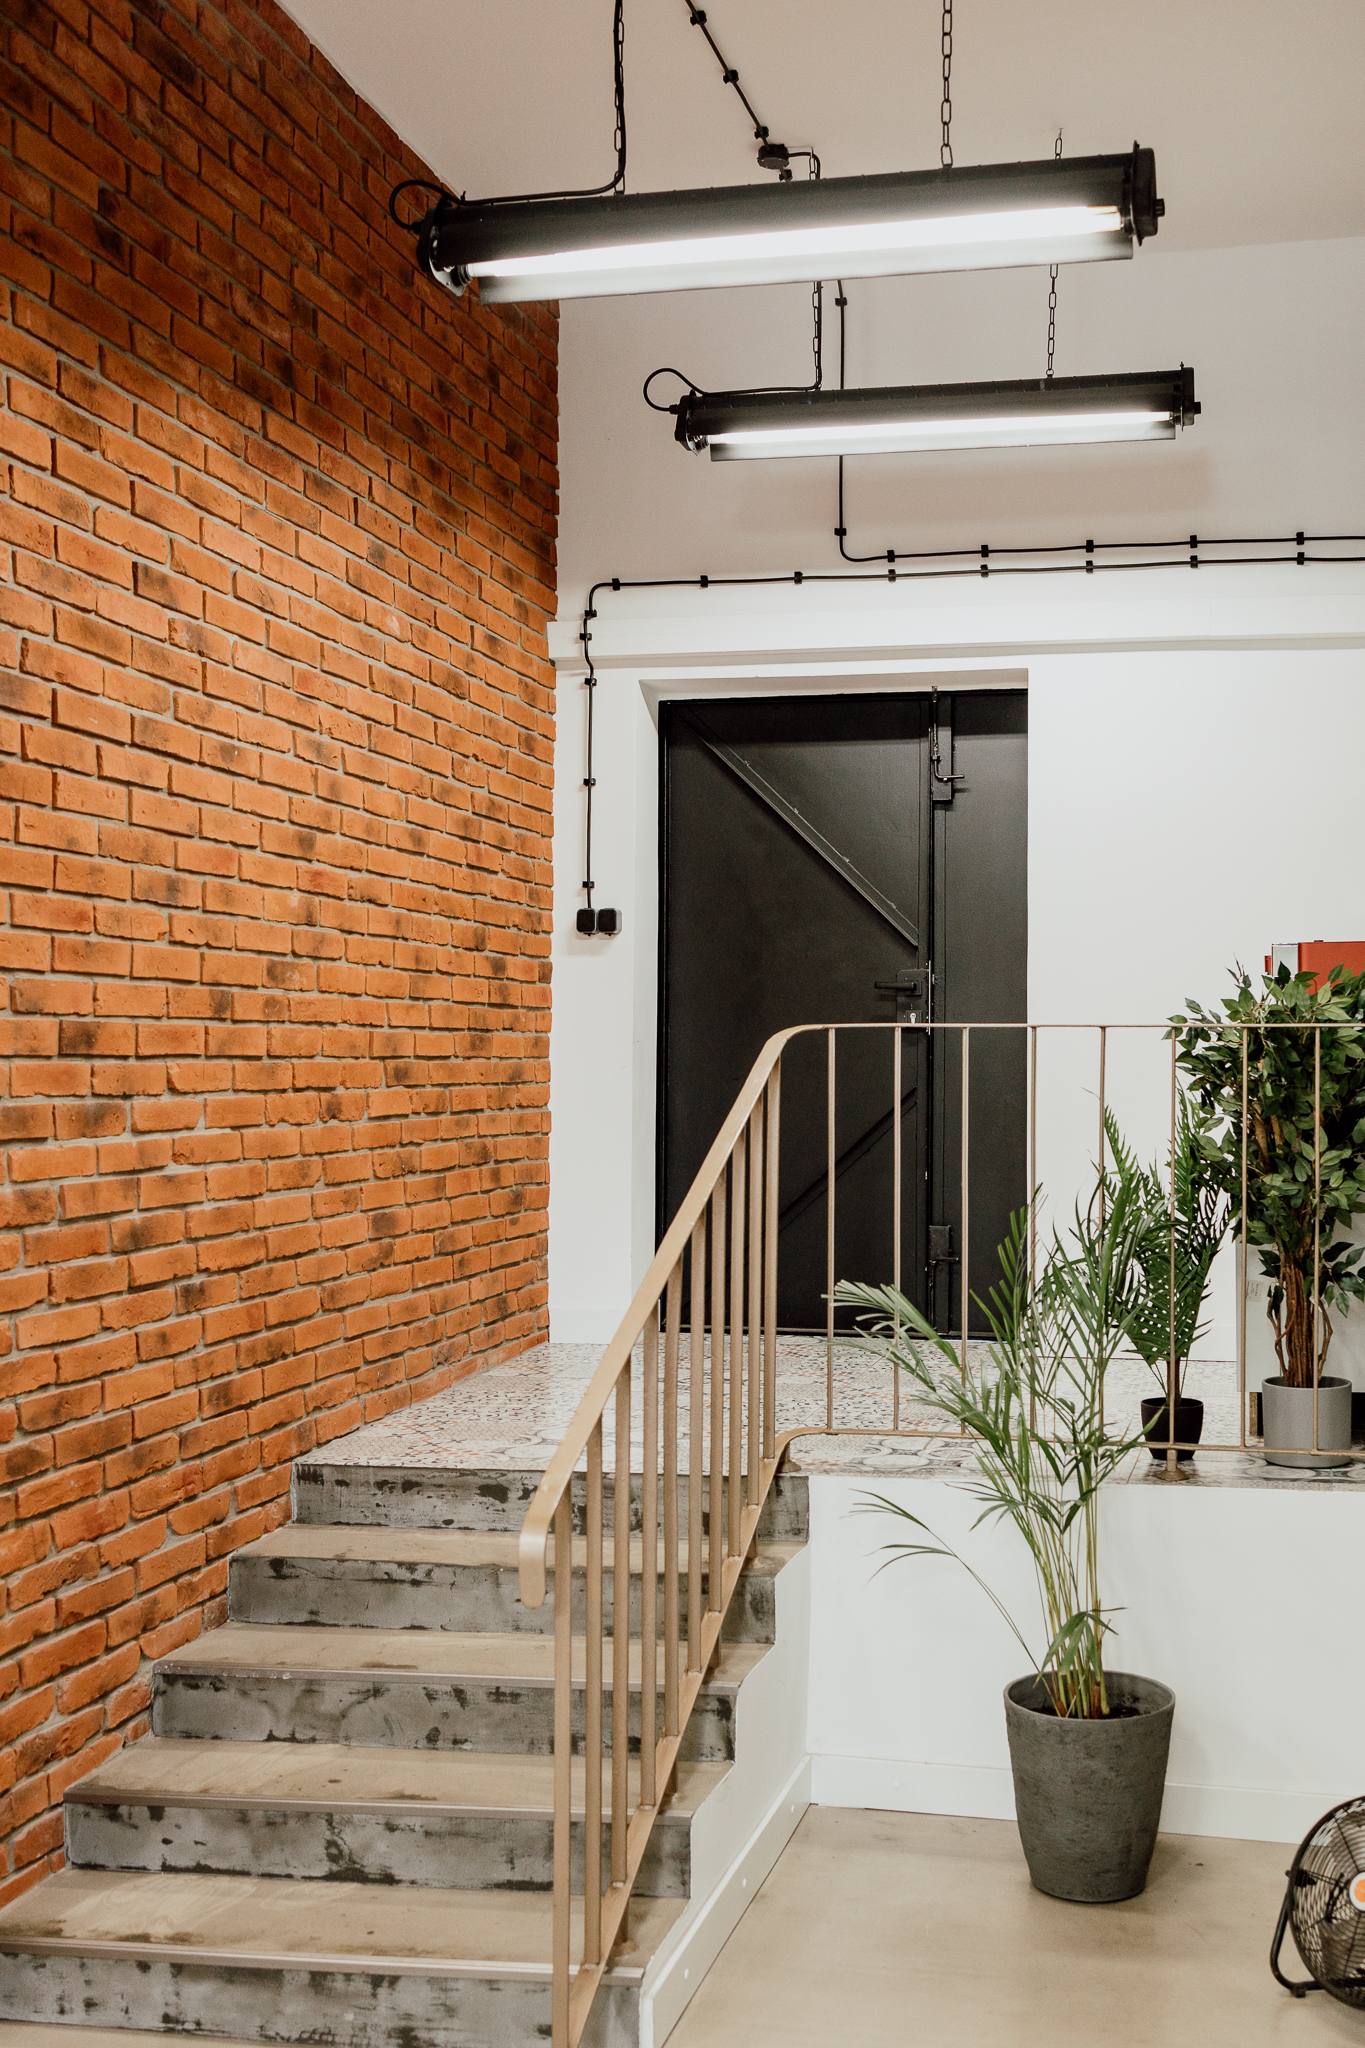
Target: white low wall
pixel 1242 1599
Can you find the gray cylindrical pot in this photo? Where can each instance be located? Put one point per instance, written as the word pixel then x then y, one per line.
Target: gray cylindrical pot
pixel 1287 1418
pixel 1087 1794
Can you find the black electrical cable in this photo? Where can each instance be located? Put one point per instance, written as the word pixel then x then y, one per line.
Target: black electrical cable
pixel 988 563
pixel 817 355
pixel 772 156
pixel 615 183
pixel 729 76
pixel 667 370
pixel 408 185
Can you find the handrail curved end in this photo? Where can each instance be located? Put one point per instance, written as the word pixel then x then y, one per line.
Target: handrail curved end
pixel 533 1546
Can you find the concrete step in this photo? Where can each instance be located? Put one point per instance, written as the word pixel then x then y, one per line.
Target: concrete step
pixel 406 1689
pixel 326 1811
pixel 445 1579
pixel 39 2034
pixel 261 1959
pixel 444 1497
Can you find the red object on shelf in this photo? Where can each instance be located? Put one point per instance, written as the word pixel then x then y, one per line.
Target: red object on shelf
pixel 1319 956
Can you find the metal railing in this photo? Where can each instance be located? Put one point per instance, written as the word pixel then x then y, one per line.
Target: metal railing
pixel 701 1339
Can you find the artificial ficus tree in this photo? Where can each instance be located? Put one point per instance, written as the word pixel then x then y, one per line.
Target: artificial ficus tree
pixel 1299 1054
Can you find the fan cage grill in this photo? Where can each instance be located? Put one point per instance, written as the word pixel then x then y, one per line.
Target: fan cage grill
pixel 1328 1928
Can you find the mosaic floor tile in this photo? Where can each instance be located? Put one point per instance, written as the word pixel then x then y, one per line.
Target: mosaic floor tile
pixel 513 1416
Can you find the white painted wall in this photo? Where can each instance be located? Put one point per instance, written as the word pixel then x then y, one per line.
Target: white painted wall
pixel 1273 334
pixel 1231 1596
pixel 602 1045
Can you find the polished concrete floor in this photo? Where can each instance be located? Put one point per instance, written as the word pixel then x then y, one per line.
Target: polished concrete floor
pixel 918 1929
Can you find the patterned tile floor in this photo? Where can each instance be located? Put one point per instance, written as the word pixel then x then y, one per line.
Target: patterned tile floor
pixel 512 1416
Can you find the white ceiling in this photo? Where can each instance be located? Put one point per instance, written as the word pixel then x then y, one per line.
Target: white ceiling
pixel 1253 106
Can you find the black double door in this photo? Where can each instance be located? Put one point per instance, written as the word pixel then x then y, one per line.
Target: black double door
pixel 848 860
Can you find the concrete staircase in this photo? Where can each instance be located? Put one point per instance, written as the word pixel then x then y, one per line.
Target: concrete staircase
pixel 339 1830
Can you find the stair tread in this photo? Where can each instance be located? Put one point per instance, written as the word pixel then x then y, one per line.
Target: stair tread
pixel 47 2034
pixel 165 1771
pixel 298 1649
pixel 278 1921
pixel 346 1543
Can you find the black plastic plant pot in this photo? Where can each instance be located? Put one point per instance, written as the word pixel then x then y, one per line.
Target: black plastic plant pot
pixel 1087 1794
pixel 1189 1425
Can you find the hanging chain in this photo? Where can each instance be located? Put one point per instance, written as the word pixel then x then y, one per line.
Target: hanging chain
pixel 1052 290
pixel 945 112
pixel 817 303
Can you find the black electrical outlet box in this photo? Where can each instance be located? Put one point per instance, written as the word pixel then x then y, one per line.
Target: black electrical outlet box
pixel 586 923
pixel 609 923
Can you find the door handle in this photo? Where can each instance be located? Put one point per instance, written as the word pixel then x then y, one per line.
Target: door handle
pixel 911 988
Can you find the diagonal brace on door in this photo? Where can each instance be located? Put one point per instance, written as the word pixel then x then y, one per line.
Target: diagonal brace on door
pixel 763 789
pixel 848 1158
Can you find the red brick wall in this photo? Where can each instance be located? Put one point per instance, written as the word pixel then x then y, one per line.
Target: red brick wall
pixel 276 552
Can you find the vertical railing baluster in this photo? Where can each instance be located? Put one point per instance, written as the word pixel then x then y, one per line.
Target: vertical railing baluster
pixel 829 1234
pixel 592 1709
pixel 1242 1291
pixel 1172 1456
pixel 620 1637
pixel 896 1206
pixel 1316 1312
pixel 773 1120
pixel 735 1494
pixel 696 1389
pixel 964 1285
pixel 1104 1034
pixel 649 1561
pixel 754 1351
pixel 672 1622
pixel 1032 1193
pixel 717 1438
pixel 561 1961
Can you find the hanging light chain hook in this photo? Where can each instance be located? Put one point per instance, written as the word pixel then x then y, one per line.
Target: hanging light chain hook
pixel 1052 289
pixel 945 112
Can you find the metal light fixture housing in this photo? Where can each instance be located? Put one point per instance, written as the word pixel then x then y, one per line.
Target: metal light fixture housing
pixel 739 426
pixel 976 217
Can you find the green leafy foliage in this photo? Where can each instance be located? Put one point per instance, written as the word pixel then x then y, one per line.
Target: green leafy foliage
pixel 1185 1213
pixel 1036 1409
pixel 1296 1055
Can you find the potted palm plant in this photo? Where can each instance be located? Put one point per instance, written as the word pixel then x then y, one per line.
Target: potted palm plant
pixel 1088 1744
pixel 1185 1212
pixel 1295 1054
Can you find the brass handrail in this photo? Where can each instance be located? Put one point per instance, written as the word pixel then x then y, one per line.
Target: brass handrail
pixel 723 1243
pixel 742 1162
pixel 536 1530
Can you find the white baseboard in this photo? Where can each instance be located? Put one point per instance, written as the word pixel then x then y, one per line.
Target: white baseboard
pixel 981 1791
pixel 665 2000
pixel 1245 1813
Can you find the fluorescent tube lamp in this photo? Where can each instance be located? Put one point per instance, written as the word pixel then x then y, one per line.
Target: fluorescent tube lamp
pixel 979 217
pixel 742 426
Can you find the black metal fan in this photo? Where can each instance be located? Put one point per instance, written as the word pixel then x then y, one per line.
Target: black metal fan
pixel 1324 1907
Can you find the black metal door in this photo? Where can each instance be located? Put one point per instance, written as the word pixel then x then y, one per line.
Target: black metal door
pixel 818 853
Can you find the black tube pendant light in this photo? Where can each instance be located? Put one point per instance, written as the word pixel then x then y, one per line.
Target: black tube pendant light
pixel 739 426
pixel 977 217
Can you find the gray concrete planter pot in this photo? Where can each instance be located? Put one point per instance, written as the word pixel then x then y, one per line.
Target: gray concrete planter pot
pixel 1287 1418
pixel 1087 1794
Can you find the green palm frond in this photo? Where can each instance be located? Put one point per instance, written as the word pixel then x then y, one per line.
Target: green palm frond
pixel 1034 1405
